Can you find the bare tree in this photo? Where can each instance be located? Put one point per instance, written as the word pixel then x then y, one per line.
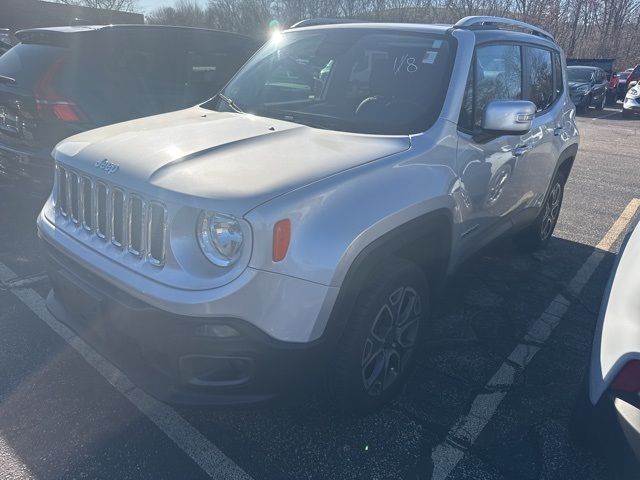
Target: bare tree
pixel 185 12
pixel 122 5
pixel 584 28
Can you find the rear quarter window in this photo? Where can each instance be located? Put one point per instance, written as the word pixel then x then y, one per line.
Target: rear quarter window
pixel 26 63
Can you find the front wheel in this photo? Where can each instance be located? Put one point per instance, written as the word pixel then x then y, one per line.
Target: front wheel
pixel 377 349
pixel 538 234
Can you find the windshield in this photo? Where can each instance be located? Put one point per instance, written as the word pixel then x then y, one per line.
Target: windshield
pixel 346 79
pixel 579 74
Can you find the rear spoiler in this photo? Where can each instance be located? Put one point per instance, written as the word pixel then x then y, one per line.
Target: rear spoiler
pixel 43 36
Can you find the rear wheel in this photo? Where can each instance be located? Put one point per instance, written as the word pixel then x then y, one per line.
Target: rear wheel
pixel 626 113
pixel 538 234
pixel 377 350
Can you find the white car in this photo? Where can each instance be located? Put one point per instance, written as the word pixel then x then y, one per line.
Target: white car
pixel 612 413
pixel 631 104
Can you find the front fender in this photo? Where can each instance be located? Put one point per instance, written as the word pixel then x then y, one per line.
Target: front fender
pixel 334 219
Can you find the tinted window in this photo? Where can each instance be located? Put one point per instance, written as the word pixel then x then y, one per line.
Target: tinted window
pixel 541 78
pixel 347 79
pixel 578 74
pixel 115 76
pixel 27 63
pixel 557 75
pixel 496 75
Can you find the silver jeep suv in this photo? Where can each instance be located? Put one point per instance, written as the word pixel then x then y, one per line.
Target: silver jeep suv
pixel 296 226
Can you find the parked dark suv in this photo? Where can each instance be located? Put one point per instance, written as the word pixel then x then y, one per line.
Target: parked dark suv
pixel 61 81
pixel 587 87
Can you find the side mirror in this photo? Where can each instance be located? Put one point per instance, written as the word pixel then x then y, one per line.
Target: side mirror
pixel 631 85
pixel 508 117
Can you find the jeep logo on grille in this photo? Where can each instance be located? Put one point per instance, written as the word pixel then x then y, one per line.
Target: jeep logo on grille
pixel 107 166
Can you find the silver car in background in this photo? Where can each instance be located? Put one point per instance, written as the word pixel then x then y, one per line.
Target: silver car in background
pixel 296 227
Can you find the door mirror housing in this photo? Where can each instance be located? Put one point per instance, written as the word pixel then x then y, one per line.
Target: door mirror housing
pixel 508 117
pixel 631 85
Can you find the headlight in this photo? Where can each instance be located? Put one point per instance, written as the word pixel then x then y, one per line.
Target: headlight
pixel 583 89
pixel 634 92
pixel 220 238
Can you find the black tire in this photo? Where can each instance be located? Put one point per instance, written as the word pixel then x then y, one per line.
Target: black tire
pixel 370 363
pixel 626 113
pixel 538 234
pixel 582 109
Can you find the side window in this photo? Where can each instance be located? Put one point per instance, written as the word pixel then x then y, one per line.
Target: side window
pixel 557 75
pixel 540 78
pixel 497 76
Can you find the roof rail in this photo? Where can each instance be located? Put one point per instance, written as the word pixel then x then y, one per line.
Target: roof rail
pixel 312 22
pixel 497 22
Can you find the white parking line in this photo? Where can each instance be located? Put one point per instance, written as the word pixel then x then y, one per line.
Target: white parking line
pixel 13 467
pixel 605 116
pixel 467 429
pixel 215 463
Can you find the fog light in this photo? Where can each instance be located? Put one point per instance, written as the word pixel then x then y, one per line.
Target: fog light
pixel 218 331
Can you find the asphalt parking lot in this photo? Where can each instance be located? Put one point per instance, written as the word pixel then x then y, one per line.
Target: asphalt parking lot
pixel 491 398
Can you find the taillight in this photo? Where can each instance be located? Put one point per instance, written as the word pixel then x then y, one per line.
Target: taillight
pixel 50 104
pixel 628 379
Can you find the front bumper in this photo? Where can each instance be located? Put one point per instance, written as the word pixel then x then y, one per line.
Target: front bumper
pixel 579 99
pixel 34 167
pixel 632 104
pixel 173 357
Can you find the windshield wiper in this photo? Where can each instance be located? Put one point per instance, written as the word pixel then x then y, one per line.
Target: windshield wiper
pixel 231 103
pixel 5 79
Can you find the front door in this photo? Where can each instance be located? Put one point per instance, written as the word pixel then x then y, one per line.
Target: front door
pixel 492 182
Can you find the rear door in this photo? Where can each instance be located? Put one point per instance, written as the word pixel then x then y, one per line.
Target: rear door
pixel 544 89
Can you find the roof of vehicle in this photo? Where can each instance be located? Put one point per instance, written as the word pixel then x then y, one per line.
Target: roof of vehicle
pixel 107 28
pixel 483 33
pixel 408 27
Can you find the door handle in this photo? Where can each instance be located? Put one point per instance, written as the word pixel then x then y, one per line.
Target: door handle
pixel 557 131
pixel 520 150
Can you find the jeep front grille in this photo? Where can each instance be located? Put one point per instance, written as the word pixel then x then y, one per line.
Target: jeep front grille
pixel 112 214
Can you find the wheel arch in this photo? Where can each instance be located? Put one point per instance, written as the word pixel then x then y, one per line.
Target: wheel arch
pixel 425 240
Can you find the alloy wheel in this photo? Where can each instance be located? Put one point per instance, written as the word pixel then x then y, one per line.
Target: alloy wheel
pixel 391 340
pixel 551 211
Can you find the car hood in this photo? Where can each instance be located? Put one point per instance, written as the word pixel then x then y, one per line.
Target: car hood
pixel 576 85
pixel 238 160
pixel 617 335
